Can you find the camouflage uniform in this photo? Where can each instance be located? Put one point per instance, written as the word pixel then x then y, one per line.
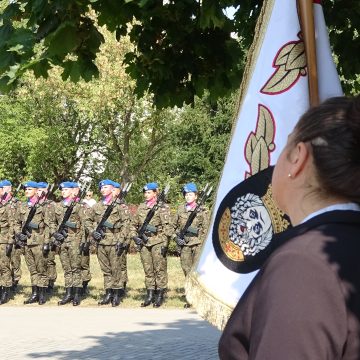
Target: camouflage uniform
pixel 17 251
pixel 115 234
pixel 34 257
pixel 194 236
pixel 153 252
pixel 6 238
pixel 69 251
pixel 85 257
pixel 49 208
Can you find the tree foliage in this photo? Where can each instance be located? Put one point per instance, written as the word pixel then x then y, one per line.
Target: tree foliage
pixel 180 48
pixel 56 130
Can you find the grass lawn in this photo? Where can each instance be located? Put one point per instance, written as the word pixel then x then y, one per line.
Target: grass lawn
pixel 135 288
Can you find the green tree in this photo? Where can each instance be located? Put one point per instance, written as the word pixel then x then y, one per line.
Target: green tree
pixel 181 48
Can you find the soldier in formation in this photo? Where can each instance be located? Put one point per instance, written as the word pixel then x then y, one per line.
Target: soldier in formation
pixel 189 243
pixel 111 239
pixel 68 237
pixel 34 237
pixel 153 244
pixel 39 229
pixel 6 246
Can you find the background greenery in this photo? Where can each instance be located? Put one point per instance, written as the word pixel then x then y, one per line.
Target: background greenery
pixel 132 90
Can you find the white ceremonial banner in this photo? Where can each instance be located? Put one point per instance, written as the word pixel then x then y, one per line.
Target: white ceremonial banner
pixel 274 93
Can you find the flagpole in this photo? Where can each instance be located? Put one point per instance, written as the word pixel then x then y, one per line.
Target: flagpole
pixel 306 12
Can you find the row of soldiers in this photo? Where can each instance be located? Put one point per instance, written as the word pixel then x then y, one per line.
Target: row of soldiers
pixel 39 228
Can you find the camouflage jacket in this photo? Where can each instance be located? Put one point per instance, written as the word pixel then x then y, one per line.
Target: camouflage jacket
pixel 116 227
pixel 6 224
pixel 75 226
pixel 160 228
pixel 197 231
pixel 39 226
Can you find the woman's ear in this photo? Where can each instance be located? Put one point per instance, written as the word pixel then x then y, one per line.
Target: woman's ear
pixel 298 157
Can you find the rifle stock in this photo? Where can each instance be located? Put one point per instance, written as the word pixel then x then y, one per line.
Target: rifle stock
pixel 160 200
pixel 203 196
pixel 120 197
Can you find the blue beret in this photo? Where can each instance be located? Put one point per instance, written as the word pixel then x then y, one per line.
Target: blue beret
pixel 189 187
pixel 42 185
pixel 1 184
pixel 5 183
pixel 31 184
pixel 76 185
pixel 151 186
pixel 67 185
pixel 117 185
pixel 105 182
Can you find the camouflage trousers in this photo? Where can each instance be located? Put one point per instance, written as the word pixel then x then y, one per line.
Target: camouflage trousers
pixel 5 271
pixel 70 259
pixel 37 265
pixel 51 264
pixel 110 264
pixel 15 263
pixel 188 256
pixel 123 265
pixel 155 267
pixel 85 268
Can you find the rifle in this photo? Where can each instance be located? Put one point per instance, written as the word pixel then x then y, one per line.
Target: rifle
pixel 62 227
pixel 204 194
pixel 16 191
pixel 144 227
pixel 27 228
pixel 119 198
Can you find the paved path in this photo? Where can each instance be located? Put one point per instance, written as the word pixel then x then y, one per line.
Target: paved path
pixel 65 333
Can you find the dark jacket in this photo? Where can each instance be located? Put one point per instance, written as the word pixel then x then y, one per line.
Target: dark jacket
pixel 305 301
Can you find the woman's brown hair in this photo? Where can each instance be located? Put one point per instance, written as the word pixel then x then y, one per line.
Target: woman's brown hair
pixel 333 130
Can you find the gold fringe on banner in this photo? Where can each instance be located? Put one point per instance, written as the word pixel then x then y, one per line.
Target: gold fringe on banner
pixel 207 305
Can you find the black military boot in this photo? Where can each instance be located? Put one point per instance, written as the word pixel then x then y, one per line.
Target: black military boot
pixel 67 297
pixel 5 295
pixel 77 296
pixel 149 297
pixel 118 296
pixel 159 298
pixel 42 295
pixel 50 288
pixel 107 297
pixel 34 297
pixel 85 290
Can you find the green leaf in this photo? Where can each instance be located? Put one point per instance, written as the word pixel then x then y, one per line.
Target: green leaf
pixel 64 40
pixel 211 14
pixel 6 59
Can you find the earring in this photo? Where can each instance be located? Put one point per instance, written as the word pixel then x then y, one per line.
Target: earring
pixel 289 175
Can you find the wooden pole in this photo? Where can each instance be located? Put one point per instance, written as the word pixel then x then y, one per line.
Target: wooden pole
pixel 306 14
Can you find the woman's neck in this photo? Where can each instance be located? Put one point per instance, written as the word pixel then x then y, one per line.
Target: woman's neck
pixel 299 210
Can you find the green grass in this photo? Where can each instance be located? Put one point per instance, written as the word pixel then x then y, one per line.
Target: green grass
pixel 175 297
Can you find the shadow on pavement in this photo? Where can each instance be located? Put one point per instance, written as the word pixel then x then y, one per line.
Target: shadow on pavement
pixel 182 339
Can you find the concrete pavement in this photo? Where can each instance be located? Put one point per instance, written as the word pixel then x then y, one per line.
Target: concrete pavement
pixel 64 333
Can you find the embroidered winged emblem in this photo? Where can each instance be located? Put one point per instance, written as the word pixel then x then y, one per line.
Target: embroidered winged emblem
pixel 261 142
pixel 289 64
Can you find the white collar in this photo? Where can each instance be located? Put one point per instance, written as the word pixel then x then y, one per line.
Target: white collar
pixel 345 206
